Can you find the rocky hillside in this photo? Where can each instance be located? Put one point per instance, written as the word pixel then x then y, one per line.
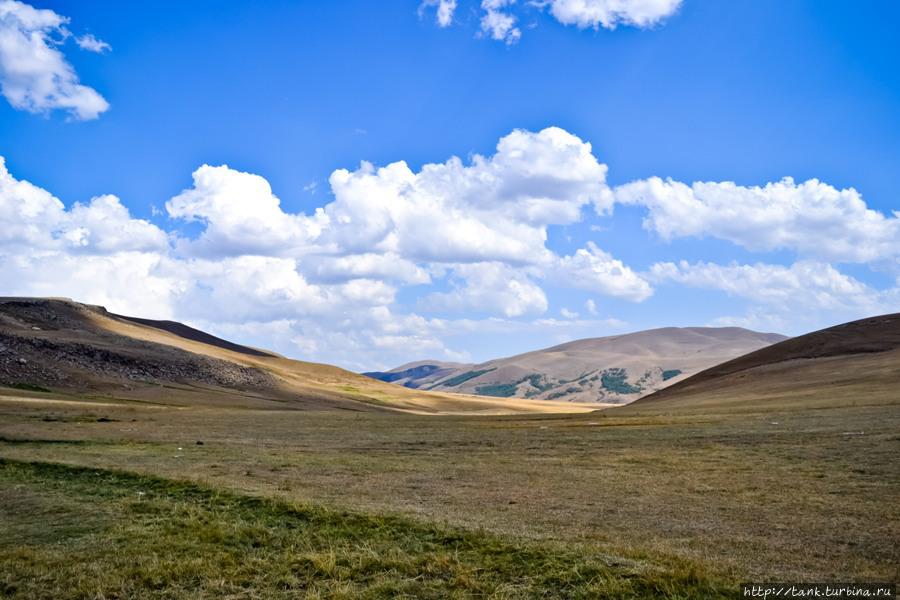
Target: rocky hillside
pixel 616 369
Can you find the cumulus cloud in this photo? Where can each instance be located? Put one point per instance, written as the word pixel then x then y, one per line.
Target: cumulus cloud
pixel 594 270
pixel 32 218
pixel 491 287
pixel 34 73
pixel 611 13
pixel 339 283
pixel 812 218
pixel 241 215
pixel 495 209
pixel 475 229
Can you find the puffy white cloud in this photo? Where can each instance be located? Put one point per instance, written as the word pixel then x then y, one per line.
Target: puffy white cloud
pixel 28 214
pixel 92 44
pixel 105 225
pixel 391 222
pixel 34 219
pixel 325 285
pixel 482 224
pixel 492 287
pixel 139 283
pixel 34 74
pixel 495 209
pixel 444 12
pixel 499 23
pixel 241 215
pixel 611 13
pixel 812 218
pixel 594 270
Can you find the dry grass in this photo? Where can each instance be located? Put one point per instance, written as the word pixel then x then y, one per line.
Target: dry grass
pixel 805 494
pixel 73 532
pixel 258 380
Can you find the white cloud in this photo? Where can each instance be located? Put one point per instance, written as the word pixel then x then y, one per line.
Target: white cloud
pixel 804 296
pixel 132 282
pixel 812 218
pixel 591 269
pixel 499 18
pixel 92 44
pixel 369 265
pixel 104 225
pixel 611 13
pixel 32 218
pixel 444 12
pixel 481 224
pixel 495 209
pixel 241 215
pixel 492 287
pixel 802 285
pixel 498 22
pixel 335 284
pixel 34 74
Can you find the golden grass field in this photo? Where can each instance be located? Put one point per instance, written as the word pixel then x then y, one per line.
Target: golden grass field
pixel 296 385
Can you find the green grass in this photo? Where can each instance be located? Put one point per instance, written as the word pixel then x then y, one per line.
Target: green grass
pixel 677 493
pixel 670 373
pixel 461 379
pixel 616 380
pixel 499 390
pixel 75 532
pixel 565 392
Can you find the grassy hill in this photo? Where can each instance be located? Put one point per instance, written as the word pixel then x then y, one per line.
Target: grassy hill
pixel 57 346
pixel 616 369
pixel 856 363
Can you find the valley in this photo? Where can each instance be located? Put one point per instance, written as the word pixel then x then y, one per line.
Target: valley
pixel 131 468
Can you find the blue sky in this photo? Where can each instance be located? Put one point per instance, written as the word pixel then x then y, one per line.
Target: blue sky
pixel 744 92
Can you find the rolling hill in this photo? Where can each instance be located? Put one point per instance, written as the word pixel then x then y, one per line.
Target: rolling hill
pixel 855 363
pixel 57 347
pixel 616 369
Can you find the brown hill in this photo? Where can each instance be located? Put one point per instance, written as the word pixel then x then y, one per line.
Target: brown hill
pixel 58 347
pixel 615 369
pixel 853 363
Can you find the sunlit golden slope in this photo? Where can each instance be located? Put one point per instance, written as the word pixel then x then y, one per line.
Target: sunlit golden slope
pixel 75 349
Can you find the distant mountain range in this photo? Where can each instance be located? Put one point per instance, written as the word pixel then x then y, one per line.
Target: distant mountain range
pixel 616 369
